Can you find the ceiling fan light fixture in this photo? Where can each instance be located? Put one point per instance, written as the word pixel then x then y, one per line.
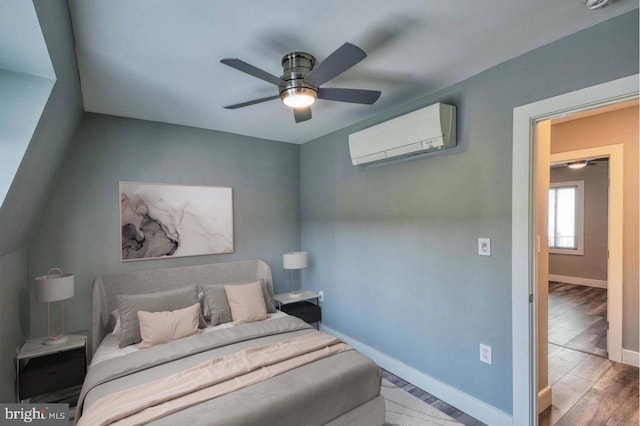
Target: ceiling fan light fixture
pixel 298 97
pixel 595 4
pixel 577 164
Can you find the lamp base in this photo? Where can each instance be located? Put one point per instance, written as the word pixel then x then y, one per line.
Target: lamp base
pixel 295 294
pixel 56 340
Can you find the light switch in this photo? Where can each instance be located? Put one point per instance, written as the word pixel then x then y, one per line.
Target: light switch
pixel 484 246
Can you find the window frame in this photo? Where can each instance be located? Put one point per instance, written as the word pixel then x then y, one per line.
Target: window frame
pixel 579 250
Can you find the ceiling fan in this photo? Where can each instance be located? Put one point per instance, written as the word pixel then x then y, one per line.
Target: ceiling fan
pixel 299 85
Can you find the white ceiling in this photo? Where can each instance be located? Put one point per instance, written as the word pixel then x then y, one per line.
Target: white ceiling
pixel 159 59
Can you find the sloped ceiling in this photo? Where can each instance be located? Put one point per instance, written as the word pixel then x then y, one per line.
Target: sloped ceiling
pixel 23 99
pixel 159 60
pixel 26 80
pixel 57 114
pixel 22 46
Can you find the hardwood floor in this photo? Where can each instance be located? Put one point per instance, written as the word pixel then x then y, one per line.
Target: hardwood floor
pixel 578 317
pixel 590 390
pixel 587 388
pixel 450 410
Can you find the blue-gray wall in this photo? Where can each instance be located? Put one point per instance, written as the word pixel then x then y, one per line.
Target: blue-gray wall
pixel 80 230
pixel 394 247
pixel 34 177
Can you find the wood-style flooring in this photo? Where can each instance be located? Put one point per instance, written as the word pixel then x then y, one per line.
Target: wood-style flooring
pixel 590 390
pixel 449 410
pixel 586 388
pixel 578 317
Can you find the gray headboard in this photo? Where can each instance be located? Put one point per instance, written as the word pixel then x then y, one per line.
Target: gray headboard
pixel 106 287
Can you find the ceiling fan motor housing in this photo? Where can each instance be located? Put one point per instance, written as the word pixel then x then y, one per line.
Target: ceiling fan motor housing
pixel 295 67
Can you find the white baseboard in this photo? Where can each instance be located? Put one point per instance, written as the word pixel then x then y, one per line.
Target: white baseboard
pixel 630 357
pixel 453 396
pixel 544 399
pixel 578 281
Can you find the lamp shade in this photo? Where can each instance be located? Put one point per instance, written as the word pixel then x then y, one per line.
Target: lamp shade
pixel 295 260
pixel 51 288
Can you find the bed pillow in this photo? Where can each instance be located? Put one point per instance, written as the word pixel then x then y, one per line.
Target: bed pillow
pixel 204 306
pixel 115 316
pixel 219 306
pixel 170 300
pixel 246 302
pixel 163 327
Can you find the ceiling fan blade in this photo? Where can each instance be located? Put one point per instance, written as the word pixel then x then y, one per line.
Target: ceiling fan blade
pixel 335 64
pixel 253 71
pixel 354 96
pixel 302 114
pixel 253 102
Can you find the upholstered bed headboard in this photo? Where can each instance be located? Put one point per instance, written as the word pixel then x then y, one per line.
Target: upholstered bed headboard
pixel 105 288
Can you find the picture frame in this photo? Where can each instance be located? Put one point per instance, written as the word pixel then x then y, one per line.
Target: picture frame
pixel 160 221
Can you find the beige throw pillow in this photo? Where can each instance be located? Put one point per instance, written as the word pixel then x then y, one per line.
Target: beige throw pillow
pixel 246 302
pixel 163 327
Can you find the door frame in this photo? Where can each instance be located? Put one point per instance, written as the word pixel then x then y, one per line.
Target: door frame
pixel 523 263
pixel 614 237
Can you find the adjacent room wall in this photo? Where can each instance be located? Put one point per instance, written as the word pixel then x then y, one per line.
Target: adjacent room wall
pixel 394 247
pixel 616 127
pixel 593 263
pixel 79 231
pixel 34 177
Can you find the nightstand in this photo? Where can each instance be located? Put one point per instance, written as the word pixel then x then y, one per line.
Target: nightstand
pixel 51 373
pixel 300 305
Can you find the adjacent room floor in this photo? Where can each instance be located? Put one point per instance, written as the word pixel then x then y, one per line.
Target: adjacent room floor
pixel 578 317
pixel 587 388
pixel 590 390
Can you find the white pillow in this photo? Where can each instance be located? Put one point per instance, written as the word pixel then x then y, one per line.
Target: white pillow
pixel 163 327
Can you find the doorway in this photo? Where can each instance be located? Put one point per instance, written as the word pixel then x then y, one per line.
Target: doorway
pixel 578 256
pixel 584 259
pixel 524 247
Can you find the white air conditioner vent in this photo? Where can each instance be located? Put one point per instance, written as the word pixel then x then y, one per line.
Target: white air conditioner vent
pixel 425 130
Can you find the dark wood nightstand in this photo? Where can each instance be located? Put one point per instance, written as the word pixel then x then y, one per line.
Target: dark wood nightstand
pixel 299 305
pixel 51 373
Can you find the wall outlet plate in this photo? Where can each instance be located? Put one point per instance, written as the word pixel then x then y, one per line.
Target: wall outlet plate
pixel 321 298
pixel 484 246
pixel 486 355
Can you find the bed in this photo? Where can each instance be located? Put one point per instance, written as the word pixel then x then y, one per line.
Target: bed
pixel 337 389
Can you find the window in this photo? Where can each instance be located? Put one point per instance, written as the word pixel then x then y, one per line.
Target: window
pixel 566 212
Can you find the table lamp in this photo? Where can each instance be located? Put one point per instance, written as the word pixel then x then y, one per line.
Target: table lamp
pixel 295 260
pixel 53 287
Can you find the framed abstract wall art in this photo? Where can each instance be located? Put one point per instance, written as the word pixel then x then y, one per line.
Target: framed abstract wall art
pixel 161 221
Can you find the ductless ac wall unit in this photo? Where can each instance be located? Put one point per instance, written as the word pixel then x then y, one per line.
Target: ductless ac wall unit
pixel 426 130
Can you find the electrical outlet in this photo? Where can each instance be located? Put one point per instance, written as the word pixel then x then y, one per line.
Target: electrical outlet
pixel 484 246
pixel 321 298
pixel 485 354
